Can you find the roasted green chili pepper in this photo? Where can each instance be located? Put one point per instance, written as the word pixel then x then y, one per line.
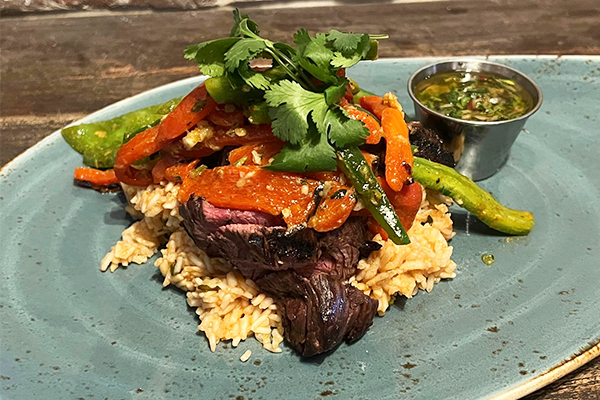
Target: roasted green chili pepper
pixel 353 164
pixel 100 141
pixel 474 199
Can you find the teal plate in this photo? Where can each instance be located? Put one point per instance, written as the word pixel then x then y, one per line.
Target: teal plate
pixel 501 331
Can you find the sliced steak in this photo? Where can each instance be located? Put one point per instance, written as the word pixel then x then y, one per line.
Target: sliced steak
pixel 319 310
pixel 304 271
pixel 429 144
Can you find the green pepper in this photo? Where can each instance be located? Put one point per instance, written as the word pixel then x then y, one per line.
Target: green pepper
pixel 352 162
pixel 223 92
pixel 474 199
pixel 258 113
pixel 100 141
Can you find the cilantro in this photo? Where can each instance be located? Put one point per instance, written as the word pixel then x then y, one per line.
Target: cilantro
pixel 344 41
pixel 291 106
pixel 242 52
pixel 342 130
pixel 301 90
pixel 311 153
pixel 314 57
pixel 210 56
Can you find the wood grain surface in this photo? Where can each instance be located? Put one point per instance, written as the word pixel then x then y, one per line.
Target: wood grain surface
pixel 59 66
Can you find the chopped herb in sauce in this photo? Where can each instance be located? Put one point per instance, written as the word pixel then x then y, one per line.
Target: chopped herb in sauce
pixel 474 96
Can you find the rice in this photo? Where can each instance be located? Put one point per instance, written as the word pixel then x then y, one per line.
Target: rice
pixel 232 308
pixel 404 270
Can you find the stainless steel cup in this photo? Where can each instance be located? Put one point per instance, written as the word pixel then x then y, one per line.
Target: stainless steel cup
pixel 480 148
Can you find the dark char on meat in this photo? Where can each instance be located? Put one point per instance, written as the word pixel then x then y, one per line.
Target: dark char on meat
pixel 429 144
pixel 304 271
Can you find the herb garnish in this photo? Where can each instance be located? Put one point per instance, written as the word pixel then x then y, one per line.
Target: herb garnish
pixel 303 105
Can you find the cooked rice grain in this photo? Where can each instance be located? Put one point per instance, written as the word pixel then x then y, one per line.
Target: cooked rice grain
pixel 404 270
pixel 231 307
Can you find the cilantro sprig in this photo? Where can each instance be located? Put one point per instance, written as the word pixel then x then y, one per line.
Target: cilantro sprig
pixel 303 105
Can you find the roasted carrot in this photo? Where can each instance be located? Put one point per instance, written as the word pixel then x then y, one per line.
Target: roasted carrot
pixel 373 104
pixel 334 209
pixel 370 122
pixel 398 153
pixel 253 188
pixel 192 109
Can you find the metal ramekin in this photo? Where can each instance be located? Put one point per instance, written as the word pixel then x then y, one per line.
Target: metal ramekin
pixel 480 148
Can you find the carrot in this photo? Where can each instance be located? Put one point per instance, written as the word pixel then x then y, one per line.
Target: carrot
pixel 373 104
pixel 173 171
pixel 370 122
pixel 97 178
pixel 334 209
pixel 192 109
pixel 255 153
pixel 253 188
pixel 221 117
pixel 398 153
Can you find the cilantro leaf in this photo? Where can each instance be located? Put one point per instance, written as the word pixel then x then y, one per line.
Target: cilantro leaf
pixel 344 41
pixel 242 52
pixel 210 56
pixel 333 94
pixel 346 59
pixel 342 130
pixel 242 21
pixel 291 105
pixel 311 153
pixel 314 56
pixel 255 79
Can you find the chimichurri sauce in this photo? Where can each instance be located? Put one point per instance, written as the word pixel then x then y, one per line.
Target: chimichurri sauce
pixel 474 96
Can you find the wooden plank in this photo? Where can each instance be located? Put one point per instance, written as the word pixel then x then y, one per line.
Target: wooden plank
pixel 63 65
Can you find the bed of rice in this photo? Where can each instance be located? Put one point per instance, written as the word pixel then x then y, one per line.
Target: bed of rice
pixel 232 308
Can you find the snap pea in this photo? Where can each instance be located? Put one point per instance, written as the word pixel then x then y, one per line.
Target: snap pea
pixel 352 162
pixel 99 142
pixel 474 199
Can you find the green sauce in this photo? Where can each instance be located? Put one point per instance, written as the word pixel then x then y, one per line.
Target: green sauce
pixel 474 96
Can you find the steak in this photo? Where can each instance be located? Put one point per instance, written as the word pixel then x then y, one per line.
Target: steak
pixel 305 271
pixel 430 145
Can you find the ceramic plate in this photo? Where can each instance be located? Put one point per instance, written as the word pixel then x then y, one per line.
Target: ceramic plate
pixel 500 331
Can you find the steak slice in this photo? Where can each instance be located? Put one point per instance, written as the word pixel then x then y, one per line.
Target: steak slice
pixel 430 145
pixel 304 271
pixel 320 311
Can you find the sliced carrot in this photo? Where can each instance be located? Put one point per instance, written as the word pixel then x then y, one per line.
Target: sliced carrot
pixel 398 153
pixel 173 171
pixel 370 122
pixel 334 209
pixel 253 188
pixel 96 177
pixel 196 106
pixel 220 117
pixel 191 110
pixel 255 153
pixel 142 145
pixel 373 104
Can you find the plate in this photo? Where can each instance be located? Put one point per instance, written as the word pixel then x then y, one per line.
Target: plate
pixel 499 331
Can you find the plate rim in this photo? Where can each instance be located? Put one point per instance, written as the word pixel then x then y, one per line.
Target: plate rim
pixel 587 353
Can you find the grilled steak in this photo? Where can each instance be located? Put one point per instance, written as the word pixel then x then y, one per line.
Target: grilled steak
pixel 304 271
pixel 430 145
pixel 319 309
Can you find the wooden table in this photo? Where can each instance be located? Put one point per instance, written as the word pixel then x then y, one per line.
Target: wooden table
pixel 60 63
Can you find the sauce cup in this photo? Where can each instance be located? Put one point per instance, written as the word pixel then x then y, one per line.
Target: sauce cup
pixel 480 148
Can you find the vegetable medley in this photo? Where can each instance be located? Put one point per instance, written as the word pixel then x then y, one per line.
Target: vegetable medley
pixel 293 135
